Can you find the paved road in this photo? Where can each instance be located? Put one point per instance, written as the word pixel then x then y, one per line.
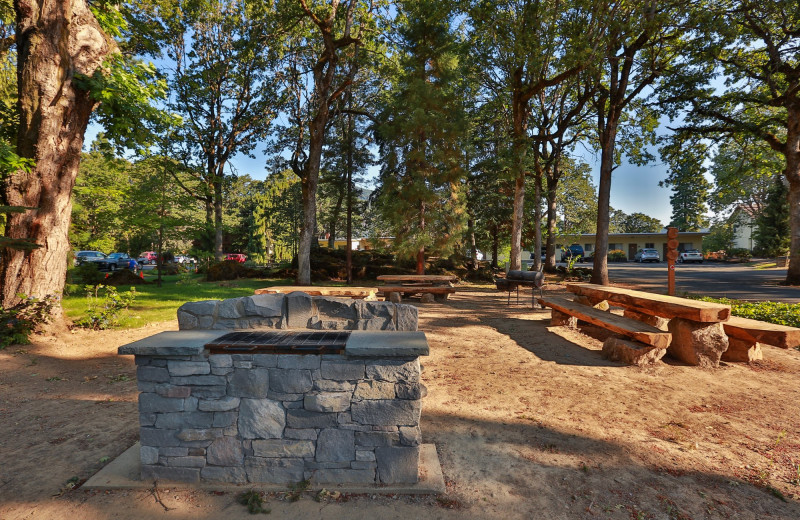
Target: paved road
pixel 720 280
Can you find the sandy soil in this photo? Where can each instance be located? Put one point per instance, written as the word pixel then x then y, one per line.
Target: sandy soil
pixel 529 422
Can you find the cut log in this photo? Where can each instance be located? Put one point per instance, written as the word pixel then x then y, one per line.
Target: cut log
pixel 655 304
pixel 414 289
pixel 431 278
pixel 367 293
pixel 637 330
pixel 762 332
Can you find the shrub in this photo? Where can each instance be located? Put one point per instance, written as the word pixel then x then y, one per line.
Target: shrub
pixel 772 312
pixel 617 255
pixel 104 314
pixel 230 270
pixel 741 253
pixel 87 273
pixel 20 321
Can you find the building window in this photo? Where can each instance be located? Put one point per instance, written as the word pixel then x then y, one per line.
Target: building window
pixel 650 245
pixel 588 247
pixel 685 246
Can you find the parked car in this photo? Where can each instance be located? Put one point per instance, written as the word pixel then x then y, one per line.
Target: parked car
pixel 647 255
pixel 690 255
pixel 236 257
pixel 119 261
pixel 147 257
pixel 573 251
pixel 88 256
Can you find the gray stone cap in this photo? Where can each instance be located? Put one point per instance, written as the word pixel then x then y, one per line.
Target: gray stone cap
pixel 172 343
pixel 363 343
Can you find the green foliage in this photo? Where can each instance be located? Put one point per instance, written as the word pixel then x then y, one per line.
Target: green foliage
pixel 103 313
pixel 20 321
pixel 271 218
pixel 86 273
pixel 617 255
pixel 11 162
pixel 687 180
pixel 743 170
pixel 721 236
pixel 773 229
pixel 771 312
pixel 254 502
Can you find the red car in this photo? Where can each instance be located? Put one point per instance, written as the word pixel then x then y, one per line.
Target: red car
pixel 236 257
pixel 147 257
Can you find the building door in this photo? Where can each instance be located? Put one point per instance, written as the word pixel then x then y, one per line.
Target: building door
pixel 632 251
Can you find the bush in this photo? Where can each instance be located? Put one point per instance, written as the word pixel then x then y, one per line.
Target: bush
pixel 617 255
pixel 86 274
pixel 741 253
pixel 230 270
pixel 20 321
pixel 104 314
pixel 772 312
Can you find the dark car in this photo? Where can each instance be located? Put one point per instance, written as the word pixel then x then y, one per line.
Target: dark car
pixel 92 257
pixel 119 261
pixel 573 251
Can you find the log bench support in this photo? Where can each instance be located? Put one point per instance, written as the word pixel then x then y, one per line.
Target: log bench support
pixel 428 294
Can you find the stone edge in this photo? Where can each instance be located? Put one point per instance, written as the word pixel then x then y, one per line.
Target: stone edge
pixel 172 343
pixel 384 344
pixel 123 473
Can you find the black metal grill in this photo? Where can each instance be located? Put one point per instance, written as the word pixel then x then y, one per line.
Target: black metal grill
pixel 280 342
pixel 513 280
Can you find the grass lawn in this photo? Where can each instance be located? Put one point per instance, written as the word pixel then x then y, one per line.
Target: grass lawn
pixel 155 304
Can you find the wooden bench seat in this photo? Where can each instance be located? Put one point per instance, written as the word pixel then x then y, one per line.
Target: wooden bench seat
pixel 631 328
pixel 366 293
pixel 762 332
pixel 415 289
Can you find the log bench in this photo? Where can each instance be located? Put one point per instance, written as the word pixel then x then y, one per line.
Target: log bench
pixel 745 337
pixel 439 293
pixel 438 286
pixel 359 293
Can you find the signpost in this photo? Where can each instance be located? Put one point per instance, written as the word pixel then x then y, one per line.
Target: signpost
pixel 672 255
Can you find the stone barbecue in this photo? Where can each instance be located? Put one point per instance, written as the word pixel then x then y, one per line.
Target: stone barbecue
pixel 281 406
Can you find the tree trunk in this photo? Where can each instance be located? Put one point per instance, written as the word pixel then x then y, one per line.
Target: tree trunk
pixel 349 247
pixel 473 248
pixel 600 267
pixel 218 252
pixel 552 189
pixel 55 40
pixel 792 174
pixel 537 225
pixel 495 246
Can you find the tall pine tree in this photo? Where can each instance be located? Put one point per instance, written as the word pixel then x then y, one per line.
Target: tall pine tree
pixel 773 228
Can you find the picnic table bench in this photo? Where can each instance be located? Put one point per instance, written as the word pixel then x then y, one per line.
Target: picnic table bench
pixel 438 286
pixel 360 293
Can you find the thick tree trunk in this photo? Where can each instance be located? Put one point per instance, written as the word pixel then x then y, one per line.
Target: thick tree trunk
pixel 516 222
pixel 495 246
pixel 219 254
pixel 537 224
pixel 552 187
pixel 56 39
pixel 337 210
pixel 473 247
pixel 350 165
pixel 792 174
pixel 309 185
pixel 600 267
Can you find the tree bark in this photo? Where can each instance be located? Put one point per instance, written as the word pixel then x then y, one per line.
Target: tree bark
pixel 600 266
pixel 219 254
pixel 520 146
pixel 792 174
pixel 56 39
pixel 495 246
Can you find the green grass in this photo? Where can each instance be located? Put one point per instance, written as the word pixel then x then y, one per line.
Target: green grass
pixel 155 304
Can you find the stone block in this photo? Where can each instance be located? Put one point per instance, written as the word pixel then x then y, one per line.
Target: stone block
pixel 224 419
pixel 232 308
pixel 208 392
pixel 147 419
pixel 375 439
pixel 395 297
pixel 265 360
pixel 656 321
pixel 225 324
pixel 278 471
pixel 427 298
pixel 152 374
pixel 199 435
pixel 700 344
pixel 397 465
pixel 150 472
pixel 304 419
pixel 382 412
pixel 223 404
pixel 158 438
pixel 301 434
pixel 252 383
pixel 379 345
pixel 243 364
pixel 279 396
pixel 327 385
pixel 174 451
pixel 631 352
pixel 283 448
pixel 201 308
pixel 221 371
pixel 261 419
pixel 264 305
pixel 299 310
pixel 220 361
pixel 411 390
pixel 190 404
pixel 233 475
pixel 166 390
pixel 206 380
pixel 290 381
pixel 146 386
pixel 205 322
pixel 406 317
pixel 327 402
pixel 394 370
pixel 148 454
pixel 178 420
pixel 410 435
pixel 365 455
pixel 186 321
pixel 335 308
pixel 342 370
pixel 188 368
pixel 374 390
pixel 559 319
pixel 225 451
pixel 308 362
pixel 363 464
pixel 156 403
pixel 185 462
pixel 741 351
pixel 334 445
pixel 292 404
pixel 375 324
pixel 309 464
pixel 348 476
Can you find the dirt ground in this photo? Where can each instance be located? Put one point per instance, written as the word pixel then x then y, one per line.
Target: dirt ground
pixel 529 422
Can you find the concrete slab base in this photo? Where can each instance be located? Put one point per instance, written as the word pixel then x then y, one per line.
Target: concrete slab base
pixel 124 473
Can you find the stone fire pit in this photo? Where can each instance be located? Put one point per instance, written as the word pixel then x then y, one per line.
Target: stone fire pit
pixel 260 415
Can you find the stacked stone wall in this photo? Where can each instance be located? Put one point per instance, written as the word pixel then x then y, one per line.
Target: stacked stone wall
pixel 296 310
pixel 279 418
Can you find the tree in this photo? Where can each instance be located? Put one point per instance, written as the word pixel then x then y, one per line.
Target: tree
pixel 526 47
pixel 222 58
pixel 67 67
pixel 772 233
pixel 421 192
pixel 688 182
pixel 743 169
pixel 641 223
pixel 753 47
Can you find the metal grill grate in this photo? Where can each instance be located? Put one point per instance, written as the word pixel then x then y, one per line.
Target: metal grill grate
pixel 280 342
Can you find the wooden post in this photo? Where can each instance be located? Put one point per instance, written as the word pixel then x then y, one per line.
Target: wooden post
pixel 672 255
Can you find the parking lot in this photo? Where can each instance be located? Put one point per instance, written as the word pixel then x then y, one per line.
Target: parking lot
pixel 737 281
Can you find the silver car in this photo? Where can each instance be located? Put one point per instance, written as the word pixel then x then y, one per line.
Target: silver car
pixel 647 255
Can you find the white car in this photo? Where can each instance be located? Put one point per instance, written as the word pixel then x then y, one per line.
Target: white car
pixel 690 255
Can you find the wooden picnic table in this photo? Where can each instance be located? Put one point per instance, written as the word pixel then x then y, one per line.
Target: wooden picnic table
pixel 434 279
pixel 437 286
pixel 360 293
